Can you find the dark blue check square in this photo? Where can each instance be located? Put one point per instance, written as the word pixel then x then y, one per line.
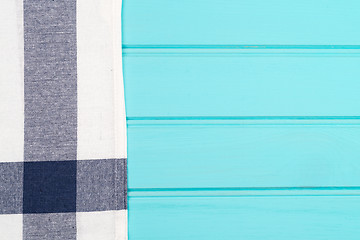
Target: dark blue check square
pixel 49 187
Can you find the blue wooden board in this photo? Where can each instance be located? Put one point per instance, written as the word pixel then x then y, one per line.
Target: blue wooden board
pixel 241 22
pixel 242 83
pixel 252 153
pixel 243 119
pixel 246 218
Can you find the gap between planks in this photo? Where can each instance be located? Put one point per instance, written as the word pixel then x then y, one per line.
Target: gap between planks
pixel 336 121
pixel 242 50
pixel 244 192
pixel 240 46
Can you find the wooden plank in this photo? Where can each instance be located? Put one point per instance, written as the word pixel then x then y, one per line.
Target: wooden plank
pixel 164 22
pixel 243 153
pixel 281 218
pixel 242 83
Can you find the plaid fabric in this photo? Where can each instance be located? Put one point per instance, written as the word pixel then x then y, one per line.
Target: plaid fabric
pixel 63 140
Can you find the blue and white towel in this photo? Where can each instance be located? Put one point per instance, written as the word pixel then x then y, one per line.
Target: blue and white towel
pixel 62 121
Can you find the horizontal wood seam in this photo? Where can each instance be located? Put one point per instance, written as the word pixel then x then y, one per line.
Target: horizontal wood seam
pixel 245 192
pixel 242 46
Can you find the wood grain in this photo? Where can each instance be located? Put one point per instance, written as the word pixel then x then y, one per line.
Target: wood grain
pixel 248 218
pixel 282 153
pixel 243 119
pixel 236 82
pixel 252 22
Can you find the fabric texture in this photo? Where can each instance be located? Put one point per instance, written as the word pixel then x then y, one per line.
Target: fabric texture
pixel 63 170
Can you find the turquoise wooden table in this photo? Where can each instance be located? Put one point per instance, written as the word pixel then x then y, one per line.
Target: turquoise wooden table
pixel 243 119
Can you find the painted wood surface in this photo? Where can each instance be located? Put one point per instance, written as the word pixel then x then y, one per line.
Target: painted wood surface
pixel 250 218
pixel 243 119
pixel 242 83
pixel 248 153
pixel 248 22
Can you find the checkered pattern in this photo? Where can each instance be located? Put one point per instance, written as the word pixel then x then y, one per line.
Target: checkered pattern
pixel 63 128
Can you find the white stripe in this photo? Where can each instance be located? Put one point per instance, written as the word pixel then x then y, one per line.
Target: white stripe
pixel 120 116
pixel 11 226
pixel 101 115
pixel 108 225
pixel 11 81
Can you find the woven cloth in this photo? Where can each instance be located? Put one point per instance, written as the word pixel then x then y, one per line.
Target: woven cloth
pixel 62 122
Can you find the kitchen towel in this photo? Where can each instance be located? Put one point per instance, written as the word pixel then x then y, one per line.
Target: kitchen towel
pixel 62 121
